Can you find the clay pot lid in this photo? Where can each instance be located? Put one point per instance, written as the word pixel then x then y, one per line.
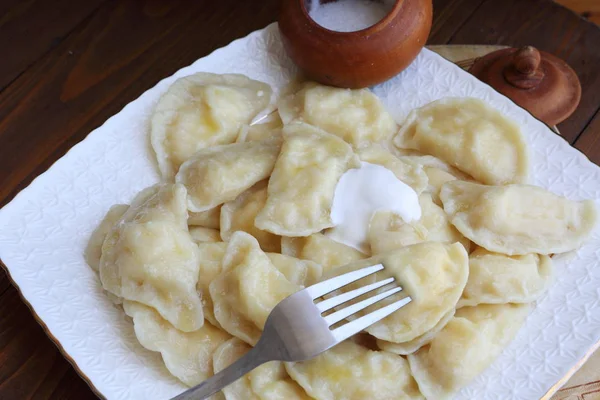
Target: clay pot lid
pixel 537 81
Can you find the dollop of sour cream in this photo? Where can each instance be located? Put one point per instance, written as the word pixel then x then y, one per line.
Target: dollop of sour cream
pixel 359 194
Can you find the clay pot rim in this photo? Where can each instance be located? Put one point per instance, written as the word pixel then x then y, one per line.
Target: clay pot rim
pixel 378 26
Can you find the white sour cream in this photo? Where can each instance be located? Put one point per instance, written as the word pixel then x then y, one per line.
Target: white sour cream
pixel 362 191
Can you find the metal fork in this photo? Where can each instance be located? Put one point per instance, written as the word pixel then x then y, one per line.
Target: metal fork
pixel 296 330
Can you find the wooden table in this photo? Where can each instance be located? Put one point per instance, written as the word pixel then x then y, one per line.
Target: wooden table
pixel 68 65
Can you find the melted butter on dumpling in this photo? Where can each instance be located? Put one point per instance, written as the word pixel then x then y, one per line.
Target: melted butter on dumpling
pixel 269 381
pixel 388 231
pixel 219 174
pixel 349 371
pixel 320 249
pixel 200 111
pixel 247 289
pixel 497 278
pixel 466 346
pixel 411 346
pixel 357 116
pixel 239 215
pixel 469 135
pixel 518 219
pixel 150 257
pixel 301 188
pixel 187 355
pixel 433 274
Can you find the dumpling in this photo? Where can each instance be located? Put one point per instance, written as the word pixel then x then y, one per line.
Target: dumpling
pixel 269 128
pixel 518 219
pixel 93 251
pixel 407 171
pixel 320 249
pixel 269 381
pixel 411 346
pixel 301 188
pixel 388 231
pixel 239 215
pixel 471 136
pixel 187 355
pixel 247 289
pixel 299 272
pixel 200 111
pixel 349 371
pixel 292 246
pixel 496 278
pixel 438 172
pixel 150 257
pixel 201 234
pixel 357 116
pixel 219 174
pixel 208 219
pixel 210 257
pixel 433 274
pixel 228 353
pixel 466 346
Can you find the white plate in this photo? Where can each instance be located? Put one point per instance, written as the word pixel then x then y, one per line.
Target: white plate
pixel 44 230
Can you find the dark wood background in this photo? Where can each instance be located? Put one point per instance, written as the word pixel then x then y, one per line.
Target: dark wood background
pixel 68 65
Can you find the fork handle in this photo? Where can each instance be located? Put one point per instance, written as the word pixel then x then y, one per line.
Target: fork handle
pixel 252 359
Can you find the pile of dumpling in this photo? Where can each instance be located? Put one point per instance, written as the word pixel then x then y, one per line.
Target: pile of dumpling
pixel 240 222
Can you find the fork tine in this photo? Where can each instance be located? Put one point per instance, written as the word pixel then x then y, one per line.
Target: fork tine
pixel 342 298
pixel 322 288
pixel 352 328
pixel 354 308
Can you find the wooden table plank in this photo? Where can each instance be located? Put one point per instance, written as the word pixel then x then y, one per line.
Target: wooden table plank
pixel 30 367
pixel 87 78
pixel 28 29
pixel 448 17
pixel 589 141
pixel 589 9
pixel 4 282
pixel 550 27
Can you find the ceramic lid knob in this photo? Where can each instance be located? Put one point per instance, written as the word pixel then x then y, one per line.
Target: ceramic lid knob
pixel 537 81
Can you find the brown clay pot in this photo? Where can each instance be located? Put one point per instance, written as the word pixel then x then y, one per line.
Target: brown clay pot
pixel 355 59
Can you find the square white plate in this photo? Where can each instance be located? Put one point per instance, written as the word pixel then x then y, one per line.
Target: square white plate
pixel 44 230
